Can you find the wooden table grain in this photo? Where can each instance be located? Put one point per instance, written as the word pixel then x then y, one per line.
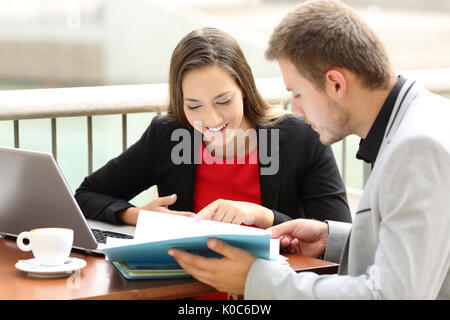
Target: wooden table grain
pixel 100 280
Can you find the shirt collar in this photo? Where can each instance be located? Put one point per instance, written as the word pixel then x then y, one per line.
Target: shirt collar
pixel 369 147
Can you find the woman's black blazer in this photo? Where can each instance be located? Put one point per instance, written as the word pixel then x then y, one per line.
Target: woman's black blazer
pixel 306 185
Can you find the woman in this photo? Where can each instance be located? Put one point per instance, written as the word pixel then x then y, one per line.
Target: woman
pixel 221 151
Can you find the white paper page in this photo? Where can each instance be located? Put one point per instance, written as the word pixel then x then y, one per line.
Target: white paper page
pixel 275 255
pixel 156 226
pixel 274 248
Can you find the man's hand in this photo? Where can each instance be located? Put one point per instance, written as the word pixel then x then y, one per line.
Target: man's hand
pixel 227 274
pixel 302 236
pixel 161 204
pixel 237 212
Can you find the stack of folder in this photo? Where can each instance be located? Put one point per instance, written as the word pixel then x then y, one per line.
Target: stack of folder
pixel 146 257
pixel 133 271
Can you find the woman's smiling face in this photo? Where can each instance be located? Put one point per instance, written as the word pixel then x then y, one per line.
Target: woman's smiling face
pixel 213 104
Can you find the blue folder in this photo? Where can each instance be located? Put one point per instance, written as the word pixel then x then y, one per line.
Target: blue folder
pixel 155 253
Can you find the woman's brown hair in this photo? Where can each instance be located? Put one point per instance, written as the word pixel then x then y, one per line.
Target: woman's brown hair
pixel 210 46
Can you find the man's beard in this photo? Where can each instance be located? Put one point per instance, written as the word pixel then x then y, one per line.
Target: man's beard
pixel 337 127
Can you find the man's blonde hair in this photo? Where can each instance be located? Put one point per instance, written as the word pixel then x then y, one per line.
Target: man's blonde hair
pixel 319 35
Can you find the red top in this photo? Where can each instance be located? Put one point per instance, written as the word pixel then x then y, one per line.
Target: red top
pixel 219 179
pixel 236 180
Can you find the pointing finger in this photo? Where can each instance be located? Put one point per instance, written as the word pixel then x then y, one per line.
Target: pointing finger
pixel 208 211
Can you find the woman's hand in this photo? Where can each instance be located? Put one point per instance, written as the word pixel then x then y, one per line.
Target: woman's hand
pixel 161 204
pixel 237 212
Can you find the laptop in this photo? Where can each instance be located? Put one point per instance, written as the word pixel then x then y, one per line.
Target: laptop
pixel 34 194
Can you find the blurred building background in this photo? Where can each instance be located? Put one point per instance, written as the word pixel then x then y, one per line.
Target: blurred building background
pixel 67 43
pixel 56 43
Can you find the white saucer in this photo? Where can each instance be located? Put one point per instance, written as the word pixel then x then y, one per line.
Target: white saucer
pixel 34 269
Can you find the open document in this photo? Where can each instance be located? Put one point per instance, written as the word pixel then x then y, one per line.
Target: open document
pixel 146 256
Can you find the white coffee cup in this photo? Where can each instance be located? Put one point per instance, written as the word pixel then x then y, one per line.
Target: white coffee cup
pixel 50 246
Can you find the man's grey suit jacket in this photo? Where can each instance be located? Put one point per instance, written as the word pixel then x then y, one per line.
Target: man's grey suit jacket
pixel 399 244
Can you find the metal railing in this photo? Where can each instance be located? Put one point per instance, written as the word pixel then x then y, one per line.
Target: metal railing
pixel 18 105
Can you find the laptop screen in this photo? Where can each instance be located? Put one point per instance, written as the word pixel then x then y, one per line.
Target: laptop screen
pixel 34 194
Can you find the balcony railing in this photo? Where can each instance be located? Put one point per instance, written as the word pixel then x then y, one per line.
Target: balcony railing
pixel 18 105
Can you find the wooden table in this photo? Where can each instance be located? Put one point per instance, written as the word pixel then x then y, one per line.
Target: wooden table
pixel 100 280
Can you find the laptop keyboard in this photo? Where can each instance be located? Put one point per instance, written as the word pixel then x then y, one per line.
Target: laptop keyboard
pixel 100 235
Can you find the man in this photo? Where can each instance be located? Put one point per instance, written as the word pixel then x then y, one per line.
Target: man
pixel 398 246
